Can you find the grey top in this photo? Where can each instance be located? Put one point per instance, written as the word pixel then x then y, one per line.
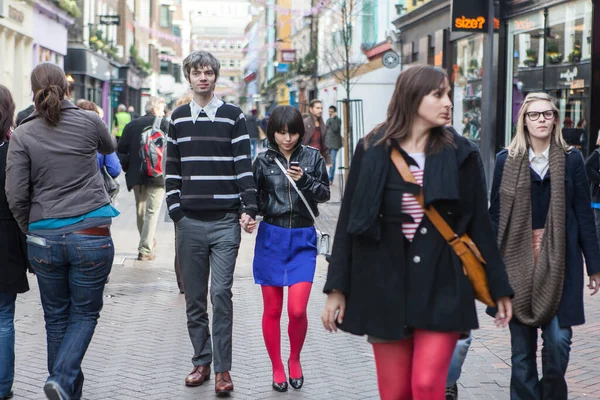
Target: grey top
pixel 52 172
pixel 333 134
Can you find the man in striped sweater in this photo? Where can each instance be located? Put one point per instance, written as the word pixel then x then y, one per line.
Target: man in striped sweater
pixel 209 185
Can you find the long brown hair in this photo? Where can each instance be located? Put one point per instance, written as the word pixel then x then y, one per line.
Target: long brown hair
pixel 412 86
pixel 49 85
pixel 7 113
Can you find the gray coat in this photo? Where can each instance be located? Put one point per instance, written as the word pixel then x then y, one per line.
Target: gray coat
pixel 53 172
pixel 333 133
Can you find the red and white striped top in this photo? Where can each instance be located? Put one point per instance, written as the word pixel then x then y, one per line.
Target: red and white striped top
pixel 410 205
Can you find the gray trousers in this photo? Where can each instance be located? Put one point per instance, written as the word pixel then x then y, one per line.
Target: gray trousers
pixel 209 248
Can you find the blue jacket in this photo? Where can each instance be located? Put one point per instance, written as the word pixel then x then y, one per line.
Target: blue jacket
pixel 581 230
pixel 113 166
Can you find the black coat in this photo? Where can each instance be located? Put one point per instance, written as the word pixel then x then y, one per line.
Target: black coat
pixel 13 246
pixel 391 285
pixel 129 152
pixel 592 167
pixel 276 197
pixel 581 233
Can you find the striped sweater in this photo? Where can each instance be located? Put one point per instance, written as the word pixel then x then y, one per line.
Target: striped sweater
pixel 209 171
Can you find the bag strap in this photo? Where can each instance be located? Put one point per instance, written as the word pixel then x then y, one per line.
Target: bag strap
pixel 431 213
pixel 293 183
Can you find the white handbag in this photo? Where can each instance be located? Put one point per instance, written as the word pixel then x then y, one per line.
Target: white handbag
pixel 323 239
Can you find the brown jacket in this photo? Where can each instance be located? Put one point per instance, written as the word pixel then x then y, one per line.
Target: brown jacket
pixel 310 127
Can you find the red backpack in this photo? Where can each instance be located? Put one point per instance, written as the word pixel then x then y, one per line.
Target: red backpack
pixel 152 147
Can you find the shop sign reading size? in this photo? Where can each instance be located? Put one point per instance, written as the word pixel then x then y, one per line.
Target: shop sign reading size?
pixel 471 16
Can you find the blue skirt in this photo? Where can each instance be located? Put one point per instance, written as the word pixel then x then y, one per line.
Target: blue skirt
pixel 284 256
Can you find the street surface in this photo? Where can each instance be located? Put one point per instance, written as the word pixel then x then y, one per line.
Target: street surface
pixel 141 349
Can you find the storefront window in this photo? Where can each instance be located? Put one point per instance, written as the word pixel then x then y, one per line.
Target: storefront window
pixel 552 56
pixel 467 86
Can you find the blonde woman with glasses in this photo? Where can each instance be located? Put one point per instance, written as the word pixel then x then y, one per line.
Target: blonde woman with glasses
pixel 541 211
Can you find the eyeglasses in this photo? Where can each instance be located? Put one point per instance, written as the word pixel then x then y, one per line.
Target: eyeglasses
pixel 535 115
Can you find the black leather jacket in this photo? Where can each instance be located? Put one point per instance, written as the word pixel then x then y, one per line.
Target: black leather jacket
pixel 278 202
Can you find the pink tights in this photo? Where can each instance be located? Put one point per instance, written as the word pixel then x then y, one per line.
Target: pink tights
pixel 415 368
pixel 298 295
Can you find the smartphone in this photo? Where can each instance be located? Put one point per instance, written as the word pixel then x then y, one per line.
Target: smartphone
pixel 294 164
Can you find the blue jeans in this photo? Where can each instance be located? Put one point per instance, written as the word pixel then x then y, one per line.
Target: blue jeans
pixel 524 381
pixel 7 342
pixel 458 359
pixel 71 271
pixel 253 148
pixel 333 155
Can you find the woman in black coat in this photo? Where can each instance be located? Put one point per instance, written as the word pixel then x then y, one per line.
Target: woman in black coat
pixel 540 208
pixel 394 278
pixel 13 257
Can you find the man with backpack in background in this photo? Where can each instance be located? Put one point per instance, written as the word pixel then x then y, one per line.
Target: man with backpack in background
pixel 141 153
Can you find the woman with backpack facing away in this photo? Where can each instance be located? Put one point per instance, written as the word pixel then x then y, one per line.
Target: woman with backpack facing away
pixel 13 253
pixel 285 252
pixel 392 276
pixel 540 206
pixel 56 193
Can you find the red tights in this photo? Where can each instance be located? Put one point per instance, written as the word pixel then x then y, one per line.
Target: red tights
pixel 415 368
pixel 273 304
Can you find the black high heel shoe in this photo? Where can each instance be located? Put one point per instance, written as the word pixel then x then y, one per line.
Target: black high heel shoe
pixel 296 383
pixel 280 387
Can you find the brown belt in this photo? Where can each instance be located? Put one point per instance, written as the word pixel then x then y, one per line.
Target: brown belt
pixel 95 231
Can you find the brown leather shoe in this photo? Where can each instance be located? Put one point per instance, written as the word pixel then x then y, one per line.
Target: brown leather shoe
pixel 223 384
pixel 199 375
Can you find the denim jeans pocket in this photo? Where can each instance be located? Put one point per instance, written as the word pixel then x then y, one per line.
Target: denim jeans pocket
pixel 95 255
pixel 40 255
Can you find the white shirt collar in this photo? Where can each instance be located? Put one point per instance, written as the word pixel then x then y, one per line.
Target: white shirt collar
pixel 540 164
pixel 210 110
pixel 544 156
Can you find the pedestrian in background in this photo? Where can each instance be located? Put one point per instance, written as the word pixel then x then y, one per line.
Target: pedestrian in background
pixel 540 207
pixel 592 167
pixel 13 253
pixel 110 161
pixel 391 275
pixel 149 191
pixel 21 115
pixel 285 253
pixel 121 119
pixel 333 139
pixel 252 124
pixel 315 129
pixel 131 111
pixel 56 193
pixel 209 183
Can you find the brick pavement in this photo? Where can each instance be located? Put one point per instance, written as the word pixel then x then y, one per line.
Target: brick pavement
pixel 141 348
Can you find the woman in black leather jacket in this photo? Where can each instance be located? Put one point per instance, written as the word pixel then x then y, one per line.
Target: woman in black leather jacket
pixel 286 252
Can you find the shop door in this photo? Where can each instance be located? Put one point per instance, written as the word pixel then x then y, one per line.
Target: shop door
pixel 572 105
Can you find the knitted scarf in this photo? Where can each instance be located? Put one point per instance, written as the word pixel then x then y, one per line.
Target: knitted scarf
pixel 537 286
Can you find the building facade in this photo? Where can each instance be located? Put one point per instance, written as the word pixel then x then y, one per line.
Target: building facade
pixel 219 27
pixel 50 30
pixel 549 47
pixel 16 49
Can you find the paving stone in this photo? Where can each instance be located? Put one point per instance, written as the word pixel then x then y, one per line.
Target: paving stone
pixel 141 349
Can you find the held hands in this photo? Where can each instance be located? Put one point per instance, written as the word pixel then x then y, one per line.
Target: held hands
pixel 295 173
pixel 247 223
pixel 594 284
pixel 504 314
pixel 335 304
